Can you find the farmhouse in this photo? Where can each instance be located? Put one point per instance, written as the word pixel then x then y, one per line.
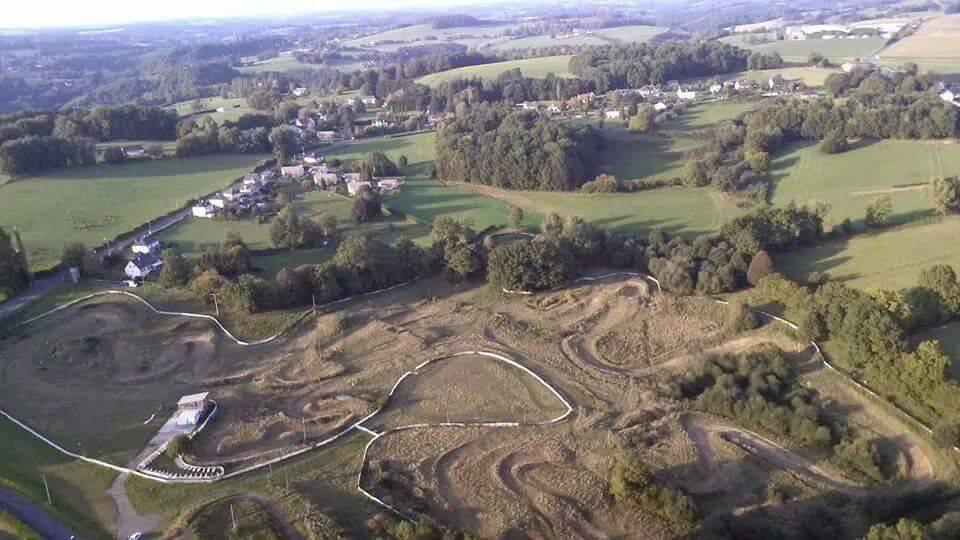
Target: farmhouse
pixel 951 95
pixel 353 187
pixel 326 135
pixel 133 151
pixel 217 202
pixel 649 91
pixel 715 88
pixel 379 123
pixel 231 194
pixel 553 108
pixel 352 177
pixel 368 100
pixel 204 210
pixel 612 114
pixel 686 92
pixel 142 265
pixel 325 179
pixel 847 67
pixel 529 106
pixel 145 245
pixel 292 171
pixel 661 106
pixel 775 81
pixel 745 84
pixel 390 183
pixel 299 91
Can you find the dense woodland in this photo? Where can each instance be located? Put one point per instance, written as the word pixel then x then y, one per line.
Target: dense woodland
pixel 610 67
pixel 512 149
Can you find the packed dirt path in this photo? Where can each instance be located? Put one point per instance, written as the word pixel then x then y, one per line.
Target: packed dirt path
pixel 699 429
pixel 129 521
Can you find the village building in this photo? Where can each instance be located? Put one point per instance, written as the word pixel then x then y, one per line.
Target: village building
pixel 352 177
pixel 716 88
pixel 379 123
pixel 649 91
pixel 612 114
pixel 230 194
pixel 292 171
pixel 142 265
pixel 354 187
pixel 145 245
pixel 299 91
pixel 390 183
pixel 686 93
pixel 326 135
pixel 325 178
pixel 308 124
pixel 368 100
pixel 661 106
pixel 745 84
pixel 204 210
pixel 554 108
pixel 190 409
pixel 217 202
pixel 951 95
pixel 775 81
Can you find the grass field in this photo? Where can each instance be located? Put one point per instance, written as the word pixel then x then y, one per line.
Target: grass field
pixel 891 259
pixel 936 39
pixel 530 67
pixel 811 76
pixel 78 490
pixel 848 181
pixel 799 50
pixel 948 69
pixel 88 204
pixel 169 147
pixel 602 36
pixel 708 115
pixel 234 108
pixel 12 528
pixel 418 32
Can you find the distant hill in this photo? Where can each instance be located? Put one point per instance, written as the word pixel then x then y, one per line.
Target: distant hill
pixel 453 21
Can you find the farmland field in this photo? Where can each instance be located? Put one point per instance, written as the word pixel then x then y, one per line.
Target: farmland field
pixel 891 259
pixel 88 204
pixel 936 39
pixel 708 115
pixel 169 147
pixel 848 181
pixel 467 35
pixel 948 68
pixel 530 67
pixel 602 36
pixel 810 76
pixel 799 50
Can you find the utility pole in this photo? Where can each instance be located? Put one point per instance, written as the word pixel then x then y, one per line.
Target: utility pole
pixel 216 304
pixel 303 421
pixel 233 517
pixel 47 488
pixel 314 304
pixel 108 245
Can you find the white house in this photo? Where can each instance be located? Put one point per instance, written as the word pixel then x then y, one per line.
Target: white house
pixel 217 202
pixel 649 91
pixel 292 171
pixel 231 194
pixel 951 96
pixel 775 81
pixel 250 189
pixel 716 88
pixel 145 245
pixel 529 106
pixel 612 114
pixel 354 187
pixel 299 91
pixel 312 159
pixel 204 210
pixel 368 100
pixel 390 184
pixel 328 178
pixel 326 135
pixel 661 106
pixel 142 265
pixel 352 177
pixel 745 84
pixel 553 108
pixel 685 92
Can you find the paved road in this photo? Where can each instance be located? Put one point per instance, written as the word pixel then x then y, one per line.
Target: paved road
pixel 33 516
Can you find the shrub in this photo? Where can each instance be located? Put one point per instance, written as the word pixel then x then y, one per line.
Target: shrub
pixel 760 267
pixel 834 143
pixel 180 444
pixel 633 483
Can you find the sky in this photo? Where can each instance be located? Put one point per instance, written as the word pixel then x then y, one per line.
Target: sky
pixel 56 13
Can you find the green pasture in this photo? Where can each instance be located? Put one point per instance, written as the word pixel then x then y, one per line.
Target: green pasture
pixel 89 204
pixel 537 68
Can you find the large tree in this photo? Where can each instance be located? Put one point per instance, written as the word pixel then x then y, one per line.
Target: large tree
pixel 14 274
